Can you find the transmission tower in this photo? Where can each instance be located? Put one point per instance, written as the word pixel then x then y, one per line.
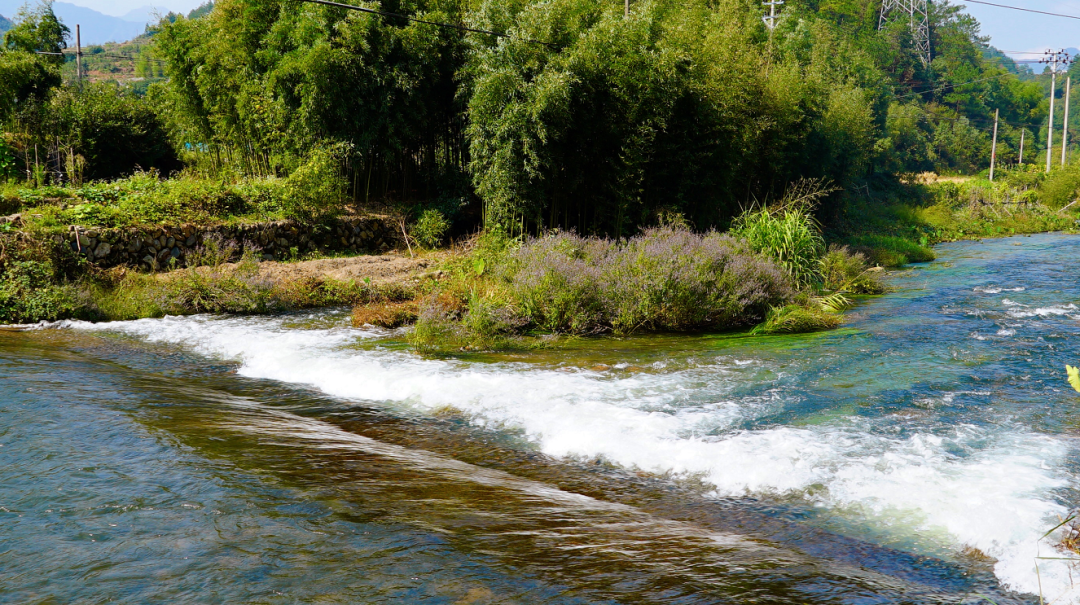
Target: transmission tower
pixel 916 12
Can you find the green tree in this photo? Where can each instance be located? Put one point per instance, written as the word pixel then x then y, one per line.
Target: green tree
pixel 38 30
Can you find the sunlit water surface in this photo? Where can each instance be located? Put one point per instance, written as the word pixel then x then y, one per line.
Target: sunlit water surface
pixel 914 456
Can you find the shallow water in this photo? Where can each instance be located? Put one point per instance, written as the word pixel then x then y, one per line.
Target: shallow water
pixel 916 455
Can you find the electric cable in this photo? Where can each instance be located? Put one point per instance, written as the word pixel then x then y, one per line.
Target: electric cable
pixel 416 20
pixel 1017 8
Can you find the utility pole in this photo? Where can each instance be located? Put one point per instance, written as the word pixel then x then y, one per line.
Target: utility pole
pixel 626 9
pixel 1021 162
pixel 1065 122
pixel 770 19
pixel 1053 59
pixel 918 20
pixel 78 55
pixel 993 147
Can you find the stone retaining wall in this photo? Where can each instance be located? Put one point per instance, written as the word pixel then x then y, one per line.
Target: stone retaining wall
pixel 155 248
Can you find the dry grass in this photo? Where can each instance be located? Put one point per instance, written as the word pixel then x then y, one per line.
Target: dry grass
pixel 385 314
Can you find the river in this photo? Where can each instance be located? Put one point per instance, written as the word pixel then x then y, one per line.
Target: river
pixel 915 455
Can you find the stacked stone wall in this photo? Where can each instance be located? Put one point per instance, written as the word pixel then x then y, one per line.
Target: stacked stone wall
pixel 161 247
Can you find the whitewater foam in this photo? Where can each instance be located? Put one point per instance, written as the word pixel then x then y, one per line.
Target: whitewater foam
pixel 988 488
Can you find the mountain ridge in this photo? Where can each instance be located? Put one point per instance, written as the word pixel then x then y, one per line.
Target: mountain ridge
pixel 95 27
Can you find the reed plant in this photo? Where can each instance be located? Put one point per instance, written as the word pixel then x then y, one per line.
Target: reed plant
pixel 787 231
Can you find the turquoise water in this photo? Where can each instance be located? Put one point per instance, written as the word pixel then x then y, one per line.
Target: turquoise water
pixel 915 455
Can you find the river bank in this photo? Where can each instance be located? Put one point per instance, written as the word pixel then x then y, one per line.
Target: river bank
pixel 479 296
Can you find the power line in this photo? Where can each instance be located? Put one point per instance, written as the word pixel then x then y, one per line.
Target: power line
pixel 1026 10
pixel 372 11
pixel 940 88
pixel 111 56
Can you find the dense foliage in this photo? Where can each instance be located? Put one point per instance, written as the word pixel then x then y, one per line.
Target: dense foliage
pixel 569 115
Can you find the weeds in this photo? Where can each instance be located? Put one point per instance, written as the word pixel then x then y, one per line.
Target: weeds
pixel 789 236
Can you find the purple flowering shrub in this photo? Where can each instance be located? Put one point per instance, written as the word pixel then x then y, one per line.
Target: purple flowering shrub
pixel 664 279
pixel 555 281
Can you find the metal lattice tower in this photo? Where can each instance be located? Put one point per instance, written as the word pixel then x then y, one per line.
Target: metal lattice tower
pixel 916 12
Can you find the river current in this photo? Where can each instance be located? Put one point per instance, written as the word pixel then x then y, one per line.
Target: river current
pixel 916 455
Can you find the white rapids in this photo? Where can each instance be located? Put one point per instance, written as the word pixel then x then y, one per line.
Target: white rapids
pixel 961 488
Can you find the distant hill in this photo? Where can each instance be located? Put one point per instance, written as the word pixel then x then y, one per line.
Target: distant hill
pixel 5 24
pixel 96 28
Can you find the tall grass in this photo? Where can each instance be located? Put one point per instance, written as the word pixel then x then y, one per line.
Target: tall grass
pixel 790 236
pixel 787 231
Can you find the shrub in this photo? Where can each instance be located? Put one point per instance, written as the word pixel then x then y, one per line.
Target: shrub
pixel 30 293
pixel 34 284
pixel 1061 187
pixel 430 229
pixel 316 189
pixel 664 279
pixel 114 132
pixel 8 168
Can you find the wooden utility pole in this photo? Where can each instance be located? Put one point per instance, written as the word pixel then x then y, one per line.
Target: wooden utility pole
pixel 1022 131
pixel 78 55
pixel 993 147
pixel 626 9
pixel 1065 122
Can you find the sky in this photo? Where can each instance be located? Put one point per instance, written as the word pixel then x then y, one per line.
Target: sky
pixel 1008 29
pixel 120 8
pixel 1019 31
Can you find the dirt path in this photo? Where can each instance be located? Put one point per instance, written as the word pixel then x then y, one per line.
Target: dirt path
pixel 393 267
pixel 384 268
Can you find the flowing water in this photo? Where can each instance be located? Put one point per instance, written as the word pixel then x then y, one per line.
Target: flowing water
pixel 914 456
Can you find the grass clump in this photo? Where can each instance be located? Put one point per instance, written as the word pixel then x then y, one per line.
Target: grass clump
pixel 385 314
pixel 788 235
pixel 430 228
pixel 808 313
pixel 845 271
pixel 797 319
